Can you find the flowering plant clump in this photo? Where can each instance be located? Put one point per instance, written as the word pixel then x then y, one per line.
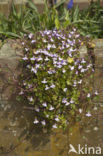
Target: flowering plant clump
pixel 54 78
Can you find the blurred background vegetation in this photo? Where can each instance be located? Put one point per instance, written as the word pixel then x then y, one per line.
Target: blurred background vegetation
pixel 88 21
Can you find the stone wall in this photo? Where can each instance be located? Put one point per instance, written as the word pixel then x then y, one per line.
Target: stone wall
pixel 18 136
pixel 5 4
pixel 10 54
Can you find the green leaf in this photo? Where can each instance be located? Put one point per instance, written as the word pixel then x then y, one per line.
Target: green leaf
pixel 57 23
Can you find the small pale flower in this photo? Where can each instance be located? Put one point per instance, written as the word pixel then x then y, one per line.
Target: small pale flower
pixel 51 108
pixel 23 43
pixel 71 101
pixel 64 100
pixel 53 46
pixel 43 122
pixel 46 59
pixel 36 121
pixel 44 81
pixel 47 116
pixel 33 58
pixel 88 95
pixel 52 86
pixel 21 93
pixel 39 59
pixel 88 114
pixel 30 99
pixel 37 66
pixel 83 61
pixel 80 110
pixel 76 72
pixel 72 67
pixel 26 49
pixel 37 109
pixel 30 35
pixel 44 40
pixel 54 126
pixel 96 93
pixel 56 119
pixel 49 46
pixel 95 128
pixel 89 66
pixel 80 67
pixel 67 104
pixel 44 104
pixel 33 41
pixel 59 66
pixel 47 87
pixel 63 70
pixel 82 70
pixel 33 70
pixel 25 58
pixel 65 89
pixel 30 85
pixel 80 81
pixel 51 40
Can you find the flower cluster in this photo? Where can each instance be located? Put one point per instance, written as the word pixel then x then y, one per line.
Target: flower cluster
pixel 54 78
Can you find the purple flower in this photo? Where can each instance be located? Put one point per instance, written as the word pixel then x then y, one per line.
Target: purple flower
pixel 39 58
pixel 64 100
pixel 71 101
pixel 25 58
pixel 33 58
pixel 72 67
pixel 88 114
pixel 49 46
pixel 59 66
pixel 51 40
pixel 57 119
pixel 80 66
pixel 76 72
pixel 44 104
pixel 52 86
pixel 33 41
pixel 33 70
pixel 37 66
